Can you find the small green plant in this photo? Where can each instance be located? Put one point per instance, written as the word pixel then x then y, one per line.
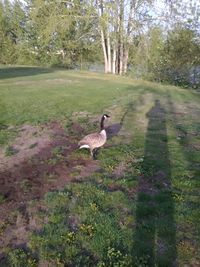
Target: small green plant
pixel 25 185
pixel 70 237
pixel 116 258
pixel 19 258
pixel 10 151
pixel 3 226
pixel 87 229
pixel 33 145
pixel 141 261
pixel 2 198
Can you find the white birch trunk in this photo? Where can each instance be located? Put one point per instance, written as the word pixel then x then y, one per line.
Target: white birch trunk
pixel 125 60
pixel 109 52
pixel 104 51
pixel 121 59
pixel 128 33
pixel 114 59
pixel 121 33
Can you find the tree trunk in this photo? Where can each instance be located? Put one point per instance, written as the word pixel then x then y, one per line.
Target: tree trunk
pixel 116 25
pixel 128 33
pixel 109 52
pixel 103 43
pixel 121 46
pixel 121 58
pixel 114 59
pixel 125 60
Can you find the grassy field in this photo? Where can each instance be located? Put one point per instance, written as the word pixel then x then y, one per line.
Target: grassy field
pixel 141 206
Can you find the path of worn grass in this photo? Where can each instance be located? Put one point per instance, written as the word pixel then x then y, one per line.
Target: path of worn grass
pixel 142 207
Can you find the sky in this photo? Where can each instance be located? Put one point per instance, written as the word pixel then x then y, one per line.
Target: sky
pixel 159 7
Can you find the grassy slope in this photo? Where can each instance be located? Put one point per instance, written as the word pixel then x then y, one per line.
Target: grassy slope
pixel 147 213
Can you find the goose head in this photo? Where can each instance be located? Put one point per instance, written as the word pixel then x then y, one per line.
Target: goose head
pixel 103 118
pixel 106 116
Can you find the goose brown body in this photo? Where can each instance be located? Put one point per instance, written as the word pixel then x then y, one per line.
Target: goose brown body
pixel 94 140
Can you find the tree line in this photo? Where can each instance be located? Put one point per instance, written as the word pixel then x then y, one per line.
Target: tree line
pixel 138 37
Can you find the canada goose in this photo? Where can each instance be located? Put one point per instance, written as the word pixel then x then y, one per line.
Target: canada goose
pixel 95 140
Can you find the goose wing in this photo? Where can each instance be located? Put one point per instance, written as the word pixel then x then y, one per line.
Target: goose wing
pixel 93 140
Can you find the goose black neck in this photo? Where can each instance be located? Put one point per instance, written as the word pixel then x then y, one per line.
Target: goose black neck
pixel 102 123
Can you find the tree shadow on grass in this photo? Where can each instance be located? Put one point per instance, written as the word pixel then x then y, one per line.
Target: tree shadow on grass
pixel 154 239
pixel 187 138
pixel 14 72
pixel 115 128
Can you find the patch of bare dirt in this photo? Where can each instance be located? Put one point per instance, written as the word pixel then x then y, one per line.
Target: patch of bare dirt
pixel 30 141
pixel 45 161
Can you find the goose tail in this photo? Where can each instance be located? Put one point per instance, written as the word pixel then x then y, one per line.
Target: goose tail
pixel 84 146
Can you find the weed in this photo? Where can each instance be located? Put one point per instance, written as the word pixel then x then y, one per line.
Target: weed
pixel 20 258
pixel 25 185
pixel 33 145
pixel 2 199
pixel 3 226
pixel 10 151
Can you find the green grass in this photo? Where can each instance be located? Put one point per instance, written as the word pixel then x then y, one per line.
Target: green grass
pixel 148 213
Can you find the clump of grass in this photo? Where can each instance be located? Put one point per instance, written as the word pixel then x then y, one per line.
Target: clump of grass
pixel 25 185
pixel 3 126
pixel 3 226
pixel 19 257
pixel 10 151
pixel 83 227
pixel 33 145
pixel 2 198
pixel 7 135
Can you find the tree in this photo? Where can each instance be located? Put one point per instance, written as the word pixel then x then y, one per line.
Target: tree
pixel 182 50
pixel 118 23
pixel 6 40
pixel 146 54
pixel 12 31
pixel 61 31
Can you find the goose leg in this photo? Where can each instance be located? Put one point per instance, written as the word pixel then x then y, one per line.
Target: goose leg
pixel 92 154
pixel 95 153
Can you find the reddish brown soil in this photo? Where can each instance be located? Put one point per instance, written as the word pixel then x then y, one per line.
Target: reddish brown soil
pixel 46 159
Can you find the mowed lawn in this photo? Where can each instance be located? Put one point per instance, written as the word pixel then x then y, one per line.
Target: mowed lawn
pixel 141 207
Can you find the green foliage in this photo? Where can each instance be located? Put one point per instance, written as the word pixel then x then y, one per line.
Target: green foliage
pixel 11 151
pixel 12 33
pixel 115 258
pixel 19 258
pixel 173 58
pixel 2 198
pixel 6 135
pixel 181 56
pixel 47 33
pixel 146 53
pixel 60 33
